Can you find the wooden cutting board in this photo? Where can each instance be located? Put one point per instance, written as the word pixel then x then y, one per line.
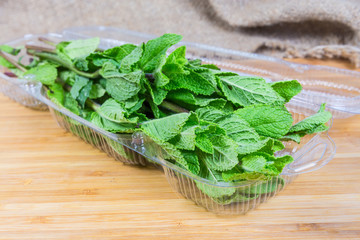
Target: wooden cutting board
pixel 55 186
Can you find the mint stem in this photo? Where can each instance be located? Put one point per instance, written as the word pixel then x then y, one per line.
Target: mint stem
pixel 47 41
pixel 40 48
pixel 55 58
pixel 173 107
pixel 93 105
pixel 12 61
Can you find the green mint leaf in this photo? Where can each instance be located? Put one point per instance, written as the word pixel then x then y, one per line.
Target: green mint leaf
pixel 192 161
pixel 81 48
pixel 119 52
pixel 253 163
pixel 313 123
pixel 129 62
pixel 247 91
pixel 278 145
pixel 6 63
pixel 113 111
pixel 287 89
pixel 247 139
pixel 165 128
pixel 177 57
pixel 216 177
pixel 111 126
pixel 121 86
pixel 134 104
pixel 236 174
pixel 97 91
pixel 56 94
pixel 296 137
pixel 224 157
pixel 62 54
pixel 68 77
pixel 71 104
pixel 191 81
pixel 45 73
pixel 191 101
pixel 155 49
pixel 84 94
pixel 11 50
pixel 157 94
pixel 270 121
pixel 281 162
pixel 210 114
pixel 81 64
pixel 185 140
pixel 203 140
pixel 80 83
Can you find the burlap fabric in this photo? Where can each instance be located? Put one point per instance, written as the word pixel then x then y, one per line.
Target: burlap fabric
pixel 285 28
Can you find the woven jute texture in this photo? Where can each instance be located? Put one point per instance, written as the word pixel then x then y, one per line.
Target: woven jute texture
pixel 284 28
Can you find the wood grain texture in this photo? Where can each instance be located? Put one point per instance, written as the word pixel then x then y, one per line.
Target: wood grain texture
pixel 55 186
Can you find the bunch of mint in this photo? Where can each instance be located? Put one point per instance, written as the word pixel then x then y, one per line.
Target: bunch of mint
pixel 215 124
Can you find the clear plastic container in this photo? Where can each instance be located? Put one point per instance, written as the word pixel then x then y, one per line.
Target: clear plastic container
pixel 314 152
pixel 137 149
pixel 339 88
pixel 19 89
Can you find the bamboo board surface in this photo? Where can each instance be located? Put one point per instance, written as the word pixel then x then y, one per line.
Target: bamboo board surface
pixel 55 186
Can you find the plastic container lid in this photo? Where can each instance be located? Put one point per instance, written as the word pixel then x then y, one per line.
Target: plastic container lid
pixel 339 88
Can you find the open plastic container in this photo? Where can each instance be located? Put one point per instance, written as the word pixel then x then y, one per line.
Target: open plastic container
pixel 312 153
pixel 19 89
pixel 339 88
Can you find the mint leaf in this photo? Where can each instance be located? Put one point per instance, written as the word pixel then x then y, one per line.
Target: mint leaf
pixel 270 121
pixel 287 89
pixel 119 52
pixel 56 94
pixel 11 50
pixel 45 73
pixel 278 145
pixel 186 139
pixel 216 177
pixel 113 111
pixel 253 163
pixel 71 104
pixel 97 91
pixel 81 48
pixel 189 80
pixel 157 94
pixel 203 133
pixel 314 123
pixel 191 101
pixel 128 63
pixel 111 126
pixel 84 94
pixel 210 114
pixel 246 91
pixel 121 86
pixel 79 83
pixel 165 128
pixel 224 157
pixel 247 139
pixel 192 161
pixel 296 137
pixel 68 77
pixel 155 49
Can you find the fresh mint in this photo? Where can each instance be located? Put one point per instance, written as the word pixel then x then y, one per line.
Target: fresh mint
pixel 216 125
